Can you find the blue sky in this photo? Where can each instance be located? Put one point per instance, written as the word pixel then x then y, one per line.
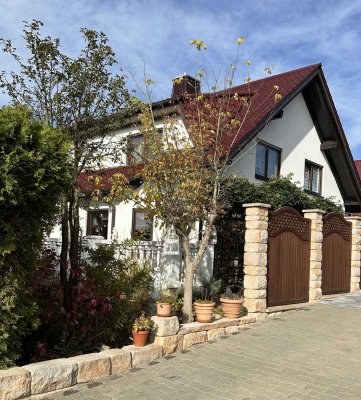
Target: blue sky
pixel 286 34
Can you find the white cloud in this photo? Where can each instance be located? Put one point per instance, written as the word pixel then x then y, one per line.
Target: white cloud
pixel 285 33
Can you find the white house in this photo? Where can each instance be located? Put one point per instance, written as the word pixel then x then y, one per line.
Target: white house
pixel 301 135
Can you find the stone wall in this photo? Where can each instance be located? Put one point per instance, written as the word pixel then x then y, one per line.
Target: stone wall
pixel 315 287
pixel 255 259
pixel 355 253
pixel 48 376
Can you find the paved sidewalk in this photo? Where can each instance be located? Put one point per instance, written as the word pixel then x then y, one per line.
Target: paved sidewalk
pixel 347 300
pixel 311 353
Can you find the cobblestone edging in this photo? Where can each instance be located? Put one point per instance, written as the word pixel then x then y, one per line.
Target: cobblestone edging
pixel 52 375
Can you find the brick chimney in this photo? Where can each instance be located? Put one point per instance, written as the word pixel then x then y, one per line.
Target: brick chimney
pixel 185 84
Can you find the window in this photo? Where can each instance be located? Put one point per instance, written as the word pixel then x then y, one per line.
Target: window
pixel 135 151
pixel 98 223
pixel 313 177
pixel 267 161
pixel 142 226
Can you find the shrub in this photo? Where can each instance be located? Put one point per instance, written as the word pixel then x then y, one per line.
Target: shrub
pixel 111 291
pixel 278 192
pixel 33 171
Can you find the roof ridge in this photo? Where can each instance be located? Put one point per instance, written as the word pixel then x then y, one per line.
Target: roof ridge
pixel 292 71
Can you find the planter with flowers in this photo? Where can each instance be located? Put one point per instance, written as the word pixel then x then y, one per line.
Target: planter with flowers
pixel 142 327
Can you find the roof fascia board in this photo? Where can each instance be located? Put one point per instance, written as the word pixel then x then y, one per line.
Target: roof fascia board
pixel 339 131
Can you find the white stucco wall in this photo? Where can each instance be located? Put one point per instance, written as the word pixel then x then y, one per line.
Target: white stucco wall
pixel 296 135
pixel 117 143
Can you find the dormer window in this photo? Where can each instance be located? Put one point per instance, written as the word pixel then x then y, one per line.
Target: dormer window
pixel 267 161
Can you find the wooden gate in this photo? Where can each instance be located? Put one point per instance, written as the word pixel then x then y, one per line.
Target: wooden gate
pixel 288 257
pixel 336 254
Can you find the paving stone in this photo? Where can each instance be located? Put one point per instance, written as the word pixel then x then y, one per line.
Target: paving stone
pixel 311 353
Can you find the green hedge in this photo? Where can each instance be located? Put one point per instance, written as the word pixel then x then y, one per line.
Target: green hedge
pixel 277 192
pixel 34 170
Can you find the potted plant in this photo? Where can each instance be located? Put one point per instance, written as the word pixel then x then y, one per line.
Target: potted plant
pixel 141 329
pixel 232 304
pixel 204 310
pixel 164 306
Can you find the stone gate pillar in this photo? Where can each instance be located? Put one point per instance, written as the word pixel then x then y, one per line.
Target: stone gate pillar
pixel 255 259
pixel 315 286
pixel 355 253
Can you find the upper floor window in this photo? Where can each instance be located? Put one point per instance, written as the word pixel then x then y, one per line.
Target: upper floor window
pixel 313 177
pixel 135 149
pixel 142 226
pixel 97 223
pixel 267 161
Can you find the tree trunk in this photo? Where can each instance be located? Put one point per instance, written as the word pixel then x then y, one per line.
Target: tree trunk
pixel 187 311
pixel 191 265
pixel 64 250
pixel 72 287
pixel 74 231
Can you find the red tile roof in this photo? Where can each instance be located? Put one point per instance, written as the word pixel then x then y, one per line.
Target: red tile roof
pixel 261 110
pixel 86 180
pixel 263 105
pixel 358 167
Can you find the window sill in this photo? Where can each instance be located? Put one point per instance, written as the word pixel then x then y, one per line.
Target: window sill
pixel 261 178
pixel 310 192
pixel 264 178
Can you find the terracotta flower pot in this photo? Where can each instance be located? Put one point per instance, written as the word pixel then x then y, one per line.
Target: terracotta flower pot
pixel 164 309
pixel 140 338
pixel 204 311
pixel 231 308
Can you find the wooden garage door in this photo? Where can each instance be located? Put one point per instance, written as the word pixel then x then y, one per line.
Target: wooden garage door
pixel 288 258
pixel 336 254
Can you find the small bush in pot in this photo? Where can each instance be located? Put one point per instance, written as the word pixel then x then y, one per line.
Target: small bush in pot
pixel 164 306
pixel 204 310
pixel 232 304
pixel 141 329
